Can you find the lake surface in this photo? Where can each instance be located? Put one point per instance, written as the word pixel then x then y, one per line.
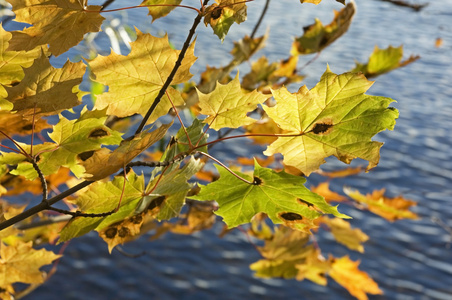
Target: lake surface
pixel 408 259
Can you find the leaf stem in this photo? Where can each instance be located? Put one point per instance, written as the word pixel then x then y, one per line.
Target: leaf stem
pixel 173 72
pixel 248 135
pixel 226 167
pixel 180 120
pixel 138 6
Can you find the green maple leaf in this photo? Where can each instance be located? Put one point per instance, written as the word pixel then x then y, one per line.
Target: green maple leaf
pixel 102 197
pixel 317 37
pixel 333 118
pixel 135 80
pixel 45 90
pixel 382 61
pixel 282 196
pixel 227 105
pixel 61 24
pixel 160 11
pixel 223 14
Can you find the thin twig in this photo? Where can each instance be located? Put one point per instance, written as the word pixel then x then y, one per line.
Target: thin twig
pixel 260 19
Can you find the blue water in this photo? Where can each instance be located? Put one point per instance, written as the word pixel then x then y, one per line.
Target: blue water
pixel 408 259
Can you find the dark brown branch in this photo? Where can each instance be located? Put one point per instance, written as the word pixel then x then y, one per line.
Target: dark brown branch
pixel 43 205
pixel 264 11
pixel 173 72
pixel 42 178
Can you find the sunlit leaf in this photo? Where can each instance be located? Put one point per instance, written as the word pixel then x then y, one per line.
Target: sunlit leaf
pixel 46 90
pixel 227 105
pixel 344 234
pixel 113 161
pixel 323 190
pixel 391 209
pixel 281 196
pixel 358 283
pixel 21 263
pixel 102 197
pixel 333 118
pixel 223 14
pixel 61 24
pixel 160 11
pixel 135 80
pixel 384 60
pixel 13 62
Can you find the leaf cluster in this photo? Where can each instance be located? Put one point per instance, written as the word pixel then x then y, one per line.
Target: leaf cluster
pixel 154 119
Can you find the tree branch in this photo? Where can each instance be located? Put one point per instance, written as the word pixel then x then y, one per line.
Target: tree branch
pixel 173 72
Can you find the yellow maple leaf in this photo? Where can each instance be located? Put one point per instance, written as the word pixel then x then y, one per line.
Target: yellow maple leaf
pixel 358 283
pixel 113 161
pixel 391 209
pixel 46 90
pixel 135 80
pixel 227 105
pixel 21 263
pixel 323 189
pixel 12 62
pixel 61 24
pixel 344 234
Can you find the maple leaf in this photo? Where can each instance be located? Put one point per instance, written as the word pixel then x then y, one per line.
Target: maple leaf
pixel 199 217
pixel 160 11
pixel 323 190
pixel 286 249
pixel 318 1
pixel 135 80
pixel 281 196
pixel 391 209
pixel 21 263
pixel 333 118
pixel 102 197
pixel 344 234
pixel 383 60
pixel 61 24
pixel 87 133
pixel 113 161
pixel 246 47
pixel 45 90
pixel 314 267
pixel 180 142
pixel 13 62
pixel 15 124
pixel 358 283
pixel 221 15
pixel 317 37
pixel 169 190
pixel 227 105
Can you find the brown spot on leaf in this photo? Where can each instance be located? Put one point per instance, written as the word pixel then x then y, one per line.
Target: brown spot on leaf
pixel 123 232
pixel 85 155
pixel 305 202
pixel 216 13
pixel 27 127
pixel 290 216
pixel 257 181
pixel 323 127
pixel 98 133
pixel 136 219
pixel 156 202
pixel 111 232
